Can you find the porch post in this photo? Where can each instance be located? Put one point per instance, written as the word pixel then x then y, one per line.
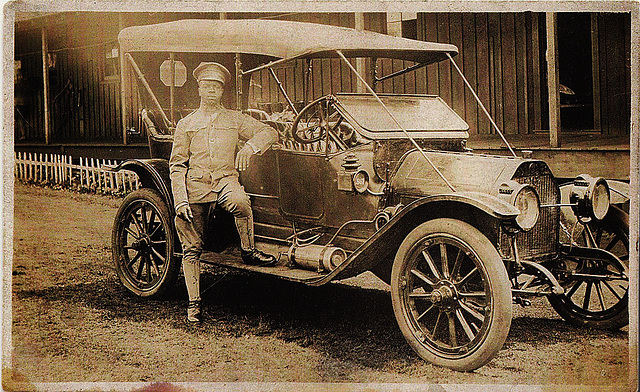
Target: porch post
pixel 123 85
pixel 360 62
pixel 552 79
pixel 45 78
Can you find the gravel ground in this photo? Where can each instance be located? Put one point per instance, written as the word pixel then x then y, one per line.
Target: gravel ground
pixel 74 322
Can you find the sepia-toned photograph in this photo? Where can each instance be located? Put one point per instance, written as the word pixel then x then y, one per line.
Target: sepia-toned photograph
pixel 320 196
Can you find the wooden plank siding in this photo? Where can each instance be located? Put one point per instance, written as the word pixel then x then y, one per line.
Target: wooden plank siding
pixel 457 83
pixel 534 94
pixel 615 72
pixel 509 97
pixel 500 61
pixel 329 75
pixel 29 108
pixel 483 84
pixel 495 70
pixel 29 113
pixel 84 107
pixel 470 68
pixel 521 71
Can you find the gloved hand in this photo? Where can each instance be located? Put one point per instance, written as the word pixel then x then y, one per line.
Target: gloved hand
pixel 184 212
pixel 243 157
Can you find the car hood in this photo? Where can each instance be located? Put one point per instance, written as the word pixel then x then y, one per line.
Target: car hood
pixel 465 171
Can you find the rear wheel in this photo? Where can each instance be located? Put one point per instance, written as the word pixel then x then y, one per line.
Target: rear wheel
pixel 451 294
pixel 597 291
pixel 142 244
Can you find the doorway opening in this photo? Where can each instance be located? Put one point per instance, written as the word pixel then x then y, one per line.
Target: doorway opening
pixel 575 63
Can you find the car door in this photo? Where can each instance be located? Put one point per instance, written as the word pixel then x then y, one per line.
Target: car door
pixel 301 176
pixel 309 186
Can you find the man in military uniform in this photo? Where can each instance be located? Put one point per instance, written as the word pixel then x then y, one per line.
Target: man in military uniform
pixel 204 170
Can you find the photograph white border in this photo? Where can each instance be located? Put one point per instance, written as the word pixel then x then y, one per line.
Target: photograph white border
pixel 7 153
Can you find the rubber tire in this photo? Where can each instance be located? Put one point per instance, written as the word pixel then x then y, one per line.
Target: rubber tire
pixel 498 280
pixel 170 272
pixel 616 221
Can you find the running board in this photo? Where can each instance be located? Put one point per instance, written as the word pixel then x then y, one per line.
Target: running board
pixel 231 259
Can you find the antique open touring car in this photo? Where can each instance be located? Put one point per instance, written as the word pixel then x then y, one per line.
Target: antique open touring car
pixel 362 181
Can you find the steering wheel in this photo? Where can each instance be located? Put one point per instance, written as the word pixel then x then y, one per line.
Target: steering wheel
pixel 315 120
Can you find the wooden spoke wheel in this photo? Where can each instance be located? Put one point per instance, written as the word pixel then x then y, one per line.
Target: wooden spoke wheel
pixel 597 291
pixel 451 294
pixel 143 244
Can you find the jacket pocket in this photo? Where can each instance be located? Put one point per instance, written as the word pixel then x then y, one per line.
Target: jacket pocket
pixel 195 174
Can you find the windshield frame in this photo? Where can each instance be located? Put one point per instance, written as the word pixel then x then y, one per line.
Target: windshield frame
pixel 452 134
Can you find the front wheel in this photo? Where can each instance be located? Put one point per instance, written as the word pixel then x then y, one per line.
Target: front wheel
pixel 451 294
pixel 142 244
pixel 597 291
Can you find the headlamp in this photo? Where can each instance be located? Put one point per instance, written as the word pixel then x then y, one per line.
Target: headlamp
pixel 525 199
pixel 590 197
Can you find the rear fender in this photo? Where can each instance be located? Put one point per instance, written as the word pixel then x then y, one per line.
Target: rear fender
pixel 483 211
pixel 152 173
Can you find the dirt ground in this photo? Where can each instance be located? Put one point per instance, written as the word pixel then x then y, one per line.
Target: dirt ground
pixel 73 322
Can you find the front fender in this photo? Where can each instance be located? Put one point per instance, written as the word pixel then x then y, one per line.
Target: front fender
pixel 489 204
pixel 481 210
pixel 152 173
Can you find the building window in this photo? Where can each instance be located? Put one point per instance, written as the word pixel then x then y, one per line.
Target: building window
pixel 111 62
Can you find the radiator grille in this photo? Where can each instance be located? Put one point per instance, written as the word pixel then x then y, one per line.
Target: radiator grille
pixel 542 239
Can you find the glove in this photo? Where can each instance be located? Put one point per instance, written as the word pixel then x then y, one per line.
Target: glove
pixel 184 212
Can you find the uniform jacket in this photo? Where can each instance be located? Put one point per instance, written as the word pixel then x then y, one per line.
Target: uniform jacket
pixel 204 150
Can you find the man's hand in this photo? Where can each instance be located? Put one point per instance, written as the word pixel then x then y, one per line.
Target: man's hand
pixel 184 212
pixel 243 157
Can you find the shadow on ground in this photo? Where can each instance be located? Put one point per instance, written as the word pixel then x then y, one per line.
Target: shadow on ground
pixel 345 322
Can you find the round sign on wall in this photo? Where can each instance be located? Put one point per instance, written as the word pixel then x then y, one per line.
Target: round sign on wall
pixel 180 73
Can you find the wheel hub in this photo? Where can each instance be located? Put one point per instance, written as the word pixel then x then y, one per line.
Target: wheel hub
pixel 142 245
pixel 445 295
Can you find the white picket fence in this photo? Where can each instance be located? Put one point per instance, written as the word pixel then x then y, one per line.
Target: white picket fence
pixel 88 173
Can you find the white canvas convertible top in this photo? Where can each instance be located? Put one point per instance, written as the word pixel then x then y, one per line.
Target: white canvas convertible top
pixel 276 39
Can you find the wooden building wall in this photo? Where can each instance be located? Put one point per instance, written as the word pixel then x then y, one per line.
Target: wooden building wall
pixel 84 75
pixel 502 56
pixel 29 118
pixel 84 100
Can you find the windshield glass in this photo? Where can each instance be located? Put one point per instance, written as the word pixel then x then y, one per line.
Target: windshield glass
pixel 413 112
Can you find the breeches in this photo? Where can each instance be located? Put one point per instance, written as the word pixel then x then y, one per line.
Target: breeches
pixel 232 198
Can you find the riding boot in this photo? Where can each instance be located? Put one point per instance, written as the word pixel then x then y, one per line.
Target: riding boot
pixel 191 269
pixel 251 255
pixel 194 311
pixel 245 231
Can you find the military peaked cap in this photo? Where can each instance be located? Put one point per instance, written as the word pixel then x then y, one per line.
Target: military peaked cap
pixel 212 71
